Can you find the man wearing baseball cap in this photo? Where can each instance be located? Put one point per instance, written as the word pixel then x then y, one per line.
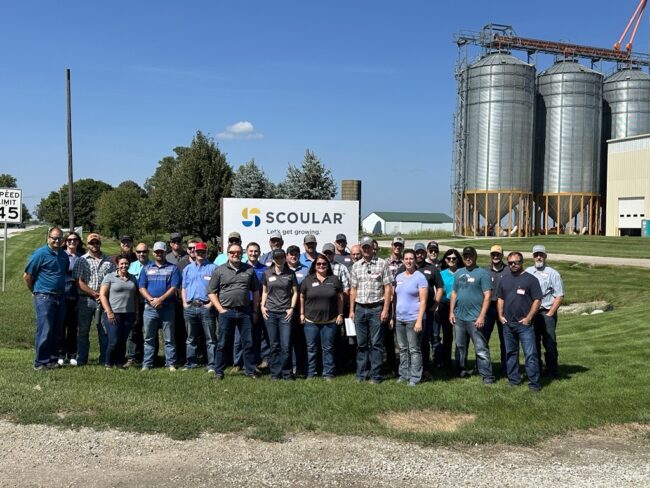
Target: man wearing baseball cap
pixel 545 321
pixel 126 250
pixel 496 270
pixel 432 253
pixel 275 242
pixel 233 238
pixel 341 255
pixel 176 245
pixel 310 253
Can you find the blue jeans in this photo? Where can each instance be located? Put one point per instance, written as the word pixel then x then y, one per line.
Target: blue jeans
pixel 447 335
pixel 279 331
pixel 491 318
pixel 68 340
pixel 135 341
pixel 410 354
pixel 261 346
pixel 196 319
pixel 320 336
pixel 90 310
pixel 513 334
pixel 117 335
pixel 50 311
pixel 545 335
pixel 370 341
pixel 464 329
pixel 228 321
pixel 155 318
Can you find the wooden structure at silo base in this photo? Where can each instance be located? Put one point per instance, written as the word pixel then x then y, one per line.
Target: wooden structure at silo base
pixel 570 213
pixel 493 213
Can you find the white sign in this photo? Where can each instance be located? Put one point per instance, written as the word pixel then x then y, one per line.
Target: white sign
pixel 257 218
pixel 11 205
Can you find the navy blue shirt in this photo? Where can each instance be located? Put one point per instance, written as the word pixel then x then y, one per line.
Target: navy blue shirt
pixel 158 279
pixel 518 294
pixel 48 268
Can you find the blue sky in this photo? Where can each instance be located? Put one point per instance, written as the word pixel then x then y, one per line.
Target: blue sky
pixel 367 85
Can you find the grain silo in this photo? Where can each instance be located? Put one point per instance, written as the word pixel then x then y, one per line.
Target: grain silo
pixel 567 150
pixel 627 104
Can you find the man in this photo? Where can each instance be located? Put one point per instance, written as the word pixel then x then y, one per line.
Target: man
pixel 45 276
pixel 310 253
pixel 176 245
pixel 339 270
pixel 355 253
pixel 190 257
pixel 158 283
pixel 431 338
pixel 298 340
pixel 126 250
pixel 496 270
pixel 198 311
pixel 89 271
pixel 370 292
pixel 432 253
pixel 135 341
pixel 393 263
pixel 545 321
pixel 470 298
pixel 293 260
pixel 275 242
pixel 233 238
pixel 342 256
pixel 234 291
pixel 519 297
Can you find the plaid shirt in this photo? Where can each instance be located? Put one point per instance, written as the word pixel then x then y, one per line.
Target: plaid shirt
pixel 343 274
pixel 92 270
pixel 369 279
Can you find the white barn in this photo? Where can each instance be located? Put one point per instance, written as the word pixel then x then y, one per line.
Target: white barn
pixel 405 222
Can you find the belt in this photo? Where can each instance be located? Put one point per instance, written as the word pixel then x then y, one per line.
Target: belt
pixel 370 305
pixel 48 293
pixel 197 303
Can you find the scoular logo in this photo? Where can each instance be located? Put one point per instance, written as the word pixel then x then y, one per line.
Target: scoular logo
pixel 251 217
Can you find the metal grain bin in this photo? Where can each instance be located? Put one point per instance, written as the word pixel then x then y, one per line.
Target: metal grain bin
pixel 627 104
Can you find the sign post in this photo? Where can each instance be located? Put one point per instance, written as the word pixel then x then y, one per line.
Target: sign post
pixel 11 210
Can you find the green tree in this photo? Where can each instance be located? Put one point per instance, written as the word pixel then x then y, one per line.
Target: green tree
pixel 118 210
pixel 249 181
pixel 312 181
pixel 54 208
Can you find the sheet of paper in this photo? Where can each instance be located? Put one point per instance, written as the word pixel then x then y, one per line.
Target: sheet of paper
pixel 350 329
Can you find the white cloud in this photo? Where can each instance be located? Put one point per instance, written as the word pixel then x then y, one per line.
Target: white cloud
pixel 240 130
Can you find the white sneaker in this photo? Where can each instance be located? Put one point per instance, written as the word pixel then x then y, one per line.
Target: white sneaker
pixel 172 368
pixel 60 361
pixel 73 362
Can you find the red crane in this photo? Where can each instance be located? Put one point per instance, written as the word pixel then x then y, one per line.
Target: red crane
pixel 638 13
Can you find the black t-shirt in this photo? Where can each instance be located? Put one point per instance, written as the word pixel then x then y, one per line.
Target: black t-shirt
pixel 321 299
pixel 279 288
pixel 518 294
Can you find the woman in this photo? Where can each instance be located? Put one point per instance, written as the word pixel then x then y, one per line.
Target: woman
pixel 321 311
pixel 279 297
pixel 451 261
pixel 118 296
pixel 68 344
pixel 411 293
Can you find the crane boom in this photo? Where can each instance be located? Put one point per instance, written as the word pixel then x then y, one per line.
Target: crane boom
pixel 635 19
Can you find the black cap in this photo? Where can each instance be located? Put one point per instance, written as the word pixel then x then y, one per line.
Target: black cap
pixel 469 251
pixel 126 238
pixel 176 236
pixel 278 253
pixel 341 237
pixel 292 249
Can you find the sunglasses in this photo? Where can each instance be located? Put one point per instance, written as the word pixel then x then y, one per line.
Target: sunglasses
pixel 321 265
pixel 514 263
pixel 176 241
pixel 234 253
pixel 451 258
pixel 72 239
pixel 56 239
pixel 159 252
pixel 94 243
pixel 191 249
pixel 142 252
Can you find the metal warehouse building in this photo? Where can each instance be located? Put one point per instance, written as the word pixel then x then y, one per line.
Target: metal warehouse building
pixel 405 222
pixel 628 185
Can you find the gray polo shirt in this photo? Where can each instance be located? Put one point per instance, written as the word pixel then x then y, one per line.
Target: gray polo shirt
pixel 279 288
pixel 233 286
pixel 121 295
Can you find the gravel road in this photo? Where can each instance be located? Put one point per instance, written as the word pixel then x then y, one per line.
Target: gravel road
pixel 37 455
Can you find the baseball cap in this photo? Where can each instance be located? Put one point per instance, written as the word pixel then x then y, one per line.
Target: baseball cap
pixel 276 235
pixel 469 251
pixel 278 253
pixel 366 241
pixel 433 244
pixel 398 240
pixel 292 249
pixel 539 248
pixel 309 238
pixel 126 238
pixel 176 236
pixel 159 246
pixel 419 247
pixel 201 246
pixel 341 237
pixel 93 236
pixel 496 248
pixel 328 246
pixel 234 235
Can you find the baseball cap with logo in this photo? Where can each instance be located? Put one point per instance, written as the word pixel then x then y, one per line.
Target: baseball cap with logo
pixel 93 236
pixel 126 239
pixel 419 247
pixel 398 240
pixel 341 237
pixel 328 247
pixel 496 248
pixel 433 245
pixel 309 239
pixel 539 248
pixel 159 246
pixel 201 246
pixel 469 251
pixel 366 241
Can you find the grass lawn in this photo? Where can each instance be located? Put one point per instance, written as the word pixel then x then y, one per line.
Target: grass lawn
pixel 603 363
pixel 624 247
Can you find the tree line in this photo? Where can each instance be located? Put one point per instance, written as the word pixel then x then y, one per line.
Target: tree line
pixel 182 195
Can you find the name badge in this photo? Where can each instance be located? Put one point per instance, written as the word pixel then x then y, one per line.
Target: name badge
pixel 470 280
pixel 272 278
pixel 374 276
pixel 299 275
pixel 151 272
pixel 347 260
pixel 315 284
pixel 521 291
pixel 206 278
pixel 400 282
pixel 393 267
pixel 426 271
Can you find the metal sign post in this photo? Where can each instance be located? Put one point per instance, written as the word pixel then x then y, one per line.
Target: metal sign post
pixel 11 210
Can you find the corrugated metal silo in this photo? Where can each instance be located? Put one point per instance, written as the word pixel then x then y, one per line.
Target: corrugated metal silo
pixel 627 104
pixel 567 163
pixel 497 158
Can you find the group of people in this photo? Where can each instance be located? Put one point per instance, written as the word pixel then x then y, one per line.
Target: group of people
pixel 284 309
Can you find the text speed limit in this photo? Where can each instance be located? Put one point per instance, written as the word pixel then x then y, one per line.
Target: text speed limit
pixel 11 205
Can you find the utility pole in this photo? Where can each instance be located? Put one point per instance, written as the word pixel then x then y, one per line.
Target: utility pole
pixel 70 179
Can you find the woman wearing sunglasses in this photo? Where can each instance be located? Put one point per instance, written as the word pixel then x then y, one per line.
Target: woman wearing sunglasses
pixel 321 312
pixel 68 346
pixel 450 263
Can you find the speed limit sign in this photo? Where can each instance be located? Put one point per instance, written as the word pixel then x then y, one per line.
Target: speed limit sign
pixel 11 205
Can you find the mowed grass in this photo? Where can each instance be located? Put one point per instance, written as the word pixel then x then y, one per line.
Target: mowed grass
pixel 624 247
pixel 603 366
